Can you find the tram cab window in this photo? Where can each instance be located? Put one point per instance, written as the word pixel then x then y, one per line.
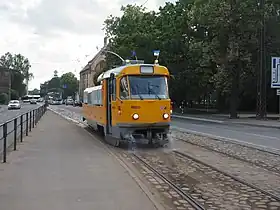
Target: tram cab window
pixel 124 88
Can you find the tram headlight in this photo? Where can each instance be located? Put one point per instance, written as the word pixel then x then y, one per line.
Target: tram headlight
pixel 165 116
pixel 135 116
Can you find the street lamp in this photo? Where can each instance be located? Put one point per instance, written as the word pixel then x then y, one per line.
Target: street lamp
pixel 261 90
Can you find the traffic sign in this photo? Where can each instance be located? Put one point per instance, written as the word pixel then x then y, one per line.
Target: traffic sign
pixel 156 52
pixel 275 72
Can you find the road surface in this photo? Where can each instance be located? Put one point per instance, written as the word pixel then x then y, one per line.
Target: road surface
pixel 268 137
pixel 6 115
pixel 263 136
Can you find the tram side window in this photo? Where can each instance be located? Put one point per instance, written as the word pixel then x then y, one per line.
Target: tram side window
pixel 85 97
pixel 123 88
pixel 90 98
pixel 95 97
pixel 100 97
pixel 114 90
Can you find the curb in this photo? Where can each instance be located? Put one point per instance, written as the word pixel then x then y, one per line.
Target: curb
pixel 224 122
pixel 65 117
pixel 197 119
pixel 256 125
pixel 135 176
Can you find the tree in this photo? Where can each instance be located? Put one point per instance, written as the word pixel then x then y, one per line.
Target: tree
pixel 18 66
pixel 34 92
pixel 210 46
pixel 3 98
pixel 69 83
pixel 23 64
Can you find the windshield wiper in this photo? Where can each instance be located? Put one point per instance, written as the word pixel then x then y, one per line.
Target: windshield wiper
pixel 137 89
pixel 153 92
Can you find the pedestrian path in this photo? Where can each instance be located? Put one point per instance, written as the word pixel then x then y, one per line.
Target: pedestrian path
pixel 62 167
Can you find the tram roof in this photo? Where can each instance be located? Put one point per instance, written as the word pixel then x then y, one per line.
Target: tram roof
pixel 118 70
pixel 90 89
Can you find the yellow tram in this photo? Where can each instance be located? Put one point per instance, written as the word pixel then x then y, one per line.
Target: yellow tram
pixel 130 104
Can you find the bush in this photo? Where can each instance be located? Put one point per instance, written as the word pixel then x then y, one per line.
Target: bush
pixel 3 98
pixel 14 95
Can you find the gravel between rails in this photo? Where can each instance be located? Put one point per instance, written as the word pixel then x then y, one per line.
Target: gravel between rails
pixel 252 155
pixel 209 187
pixel 261 177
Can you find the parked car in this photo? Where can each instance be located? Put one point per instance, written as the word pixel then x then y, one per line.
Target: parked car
pixel 56 102
pixel 69 102
pixel 33 101
pixel 14 104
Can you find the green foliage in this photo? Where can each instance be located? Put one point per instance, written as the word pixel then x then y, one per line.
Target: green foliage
pixel 34 92
pixel 14 95
pixel 3 98
pixel 67 84
pixel 210 46
pixel 19 67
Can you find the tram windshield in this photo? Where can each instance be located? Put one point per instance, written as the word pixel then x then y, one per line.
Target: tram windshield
pixel 146 87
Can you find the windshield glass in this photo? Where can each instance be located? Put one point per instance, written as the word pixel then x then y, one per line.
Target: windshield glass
pixel 148 87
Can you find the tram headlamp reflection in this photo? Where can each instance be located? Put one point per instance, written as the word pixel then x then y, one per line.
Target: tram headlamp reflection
pixel 165 116
pixel 135 116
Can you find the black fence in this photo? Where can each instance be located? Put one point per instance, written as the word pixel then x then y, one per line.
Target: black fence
pixel 12 131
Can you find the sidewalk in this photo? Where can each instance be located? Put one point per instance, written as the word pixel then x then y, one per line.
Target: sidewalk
pixel 244 119
pixel 61 167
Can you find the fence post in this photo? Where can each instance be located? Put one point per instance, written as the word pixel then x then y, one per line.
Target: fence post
pixel 33 116
pixel 4 142
pixel 15 134
pixel 21 127
pixel 26 130
pixel 30 120
pixel 36 116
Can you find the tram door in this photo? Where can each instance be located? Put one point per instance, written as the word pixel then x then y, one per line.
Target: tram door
pixel 110 89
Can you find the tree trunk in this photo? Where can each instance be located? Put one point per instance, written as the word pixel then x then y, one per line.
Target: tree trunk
pixel 234 99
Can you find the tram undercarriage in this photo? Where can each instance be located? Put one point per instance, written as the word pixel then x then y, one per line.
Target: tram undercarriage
pixel 152 136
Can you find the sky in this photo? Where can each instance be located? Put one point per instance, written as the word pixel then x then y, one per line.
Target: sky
pixel 60 35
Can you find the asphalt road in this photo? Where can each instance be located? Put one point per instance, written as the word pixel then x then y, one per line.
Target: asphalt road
pixel 262 136
pixel 6 115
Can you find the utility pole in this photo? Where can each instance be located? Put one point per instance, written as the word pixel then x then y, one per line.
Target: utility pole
pixel 10 85
pixel 261 87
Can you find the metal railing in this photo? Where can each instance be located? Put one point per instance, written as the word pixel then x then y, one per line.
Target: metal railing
pixel 14 129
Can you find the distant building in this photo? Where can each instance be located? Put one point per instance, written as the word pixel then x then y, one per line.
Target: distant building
pixel 96 65
pixel 4 79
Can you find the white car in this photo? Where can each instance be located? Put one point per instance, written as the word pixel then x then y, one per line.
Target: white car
pixel 33 101
pixel 14 104
pixel 69 101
